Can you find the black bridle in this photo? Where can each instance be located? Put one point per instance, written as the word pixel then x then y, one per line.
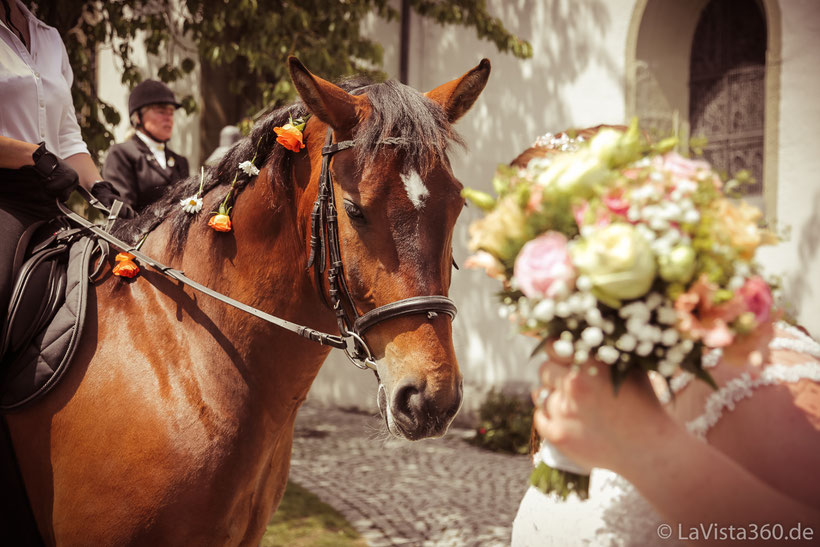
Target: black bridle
pixel 324 241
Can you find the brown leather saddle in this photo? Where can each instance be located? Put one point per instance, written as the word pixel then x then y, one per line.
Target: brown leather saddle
pixel 46 310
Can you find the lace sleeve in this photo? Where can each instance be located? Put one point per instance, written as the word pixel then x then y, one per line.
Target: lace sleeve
pixel 742 387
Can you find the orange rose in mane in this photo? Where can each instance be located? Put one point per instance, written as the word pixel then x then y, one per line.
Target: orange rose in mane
pixel 220 223
pixel 290 137
pixel 125 267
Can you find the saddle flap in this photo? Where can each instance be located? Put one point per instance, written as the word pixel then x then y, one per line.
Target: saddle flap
pixel 37 293
pixel 46 317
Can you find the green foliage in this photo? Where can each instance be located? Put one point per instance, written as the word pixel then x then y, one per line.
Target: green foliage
pixel 560 483
pixel 304 520
pixel 255 35
pixel 505 424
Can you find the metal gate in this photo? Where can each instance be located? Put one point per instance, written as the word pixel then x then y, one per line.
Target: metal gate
pixel 727 87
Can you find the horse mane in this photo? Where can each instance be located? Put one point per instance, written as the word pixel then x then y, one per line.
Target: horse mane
pixel 418 125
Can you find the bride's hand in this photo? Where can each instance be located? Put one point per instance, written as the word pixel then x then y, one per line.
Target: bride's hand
pixel 591 425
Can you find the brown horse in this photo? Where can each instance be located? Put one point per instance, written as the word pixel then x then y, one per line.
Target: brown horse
pixel 174 424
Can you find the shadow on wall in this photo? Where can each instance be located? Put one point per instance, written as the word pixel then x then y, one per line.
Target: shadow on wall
pixel 575 78
pixel 340 384
pixel 798 288
pixel 523 99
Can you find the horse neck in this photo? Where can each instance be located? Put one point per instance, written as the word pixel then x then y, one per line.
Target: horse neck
pixel 262 263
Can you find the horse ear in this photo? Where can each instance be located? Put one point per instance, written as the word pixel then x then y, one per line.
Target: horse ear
pixel 328 102
pixel 456 97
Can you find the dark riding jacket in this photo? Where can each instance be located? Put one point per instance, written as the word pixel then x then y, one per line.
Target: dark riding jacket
pixel 136 174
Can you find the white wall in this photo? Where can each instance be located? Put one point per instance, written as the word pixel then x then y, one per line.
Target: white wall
pixel 798 188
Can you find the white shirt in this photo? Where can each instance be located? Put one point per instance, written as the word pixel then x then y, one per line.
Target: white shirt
pixel 157 148
pixel 35 89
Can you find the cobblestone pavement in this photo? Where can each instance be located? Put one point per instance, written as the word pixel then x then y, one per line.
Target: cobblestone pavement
pixel 437 492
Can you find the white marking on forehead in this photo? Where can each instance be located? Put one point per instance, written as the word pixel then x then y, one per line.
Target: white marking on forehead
pixel 416 190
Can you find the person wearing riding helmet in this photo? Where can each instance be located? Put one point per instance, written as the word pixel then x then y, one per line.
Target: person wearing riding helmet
pixel 143 168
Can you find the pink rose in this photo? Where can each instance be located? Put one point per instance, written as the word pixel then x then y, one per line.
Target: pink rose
pixel 544 265
pixel 758 297
pixel 616 203
pixel 534 203
pixel 579 212
pixel 681 167
pixel 485 261
pixel 701 319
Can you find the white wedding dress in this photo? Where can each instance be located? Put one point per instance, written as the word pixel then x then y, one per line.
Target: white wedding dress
pixel 615 513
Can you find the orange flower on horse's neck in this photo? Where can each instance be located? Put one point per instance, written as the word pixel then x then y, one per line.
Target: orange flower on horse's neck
pixel 290 137
pixel 220 223
pixel 125 266
pixel 123 256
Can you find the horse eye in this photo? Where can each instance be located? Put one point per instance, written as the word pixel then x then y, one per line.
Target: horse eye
pixel 353 211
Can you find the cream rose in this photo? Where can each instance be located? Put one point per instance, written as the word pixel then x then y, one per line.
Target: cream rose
pixel 618 261
pixel 678 265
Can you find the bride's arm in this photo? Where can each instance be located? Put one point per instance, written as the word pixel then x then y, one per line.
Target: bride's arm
pixel 692 483
pixel 688 481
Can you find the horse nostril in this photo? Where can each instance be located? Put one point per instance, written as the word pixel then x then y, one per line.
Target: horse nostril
pixel 408 403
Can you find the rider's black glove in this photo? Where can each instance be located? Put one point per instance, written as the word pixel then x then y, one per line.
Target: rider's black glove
pixel 105 192
pixel 58 178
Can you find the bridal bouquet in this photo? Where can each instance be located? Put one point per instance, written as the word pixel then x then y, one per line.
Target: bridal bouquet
pixel 612 250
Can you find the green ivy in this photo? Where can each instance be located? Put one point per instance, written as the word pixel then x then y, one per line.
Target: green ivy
pixel 257 35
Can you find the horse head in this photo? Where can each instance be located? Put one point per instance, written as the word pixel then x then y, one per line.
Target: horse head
pixel 398 201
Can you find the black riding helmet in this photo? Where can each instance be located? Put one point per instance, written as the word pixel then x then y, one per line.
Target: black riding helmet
pixel 146 93
pixel 150 92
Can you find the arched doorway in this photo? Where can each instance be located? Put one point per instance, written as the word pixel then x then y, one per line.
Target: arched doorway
pixel 727 88
pixel 659 57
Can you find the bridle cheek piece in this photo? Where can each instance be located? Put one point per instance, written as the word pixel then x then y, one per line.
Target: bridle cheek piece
pixel 324 241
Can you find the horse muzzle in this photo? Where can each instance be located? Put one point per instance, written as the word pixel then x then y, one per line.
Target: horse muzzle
pixel 412 411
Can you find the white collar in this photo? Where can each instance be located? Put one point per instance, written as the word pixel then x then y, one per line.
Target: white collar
pixel 28 15
pixel 157 150
pixel 152 144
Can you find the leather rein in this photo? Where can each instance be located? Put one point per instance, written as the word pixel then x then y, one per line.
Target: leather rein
pixel 324 240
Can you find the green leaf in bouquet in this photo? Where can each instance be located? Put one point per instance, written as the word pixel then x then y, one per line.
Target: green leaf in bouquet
pixel 483 200
pixel 703 374
pixel 692 363
pixel 630 146
pixel 722 295
pixel 538 347
pixel 502 181
pixel 522 194
pixel 697 144
pixel 562 483
pixel 618 374
pixel 666 145
pixel 555 215
pixel 603 298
